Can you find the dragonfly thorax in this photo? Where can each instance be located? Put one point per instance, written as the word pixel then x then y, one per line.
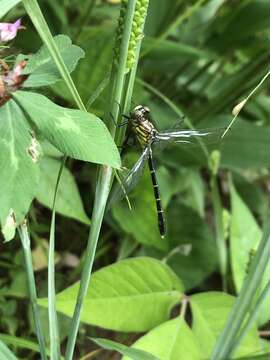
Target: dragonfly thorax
pixel 142 126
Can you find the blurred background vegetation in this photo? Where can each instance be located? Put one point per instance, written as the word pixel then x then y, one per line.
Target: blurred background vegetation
pixel 200 58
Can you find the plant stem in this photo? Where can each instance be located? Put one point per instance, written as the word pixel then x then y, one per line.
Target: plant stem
pixel 245 101
pixel 26 246
pixel 243 302
pixel 53 322
pixel 102 192
pixel 220 239
pixel 104 179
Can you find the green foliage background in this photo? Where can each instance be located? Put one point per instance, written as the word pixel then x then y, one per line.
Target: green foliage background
pixel 201 64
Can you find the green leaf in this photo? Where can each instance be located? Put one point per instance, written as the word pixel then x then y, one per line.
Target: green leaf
pixel 98 46
pixel 132 295
pixel 19 158
pixel 42 68
pixel 245 236
pixel 68 201
pixel 192 242
pixel 254 149
pixel 244 239
pixel 6 5
pixel 165 49
pixel 75 133
pixel 209 312
pixel 20 342
pixel 240 28
pixel 172 340
pixel 133 354
pixel 5 353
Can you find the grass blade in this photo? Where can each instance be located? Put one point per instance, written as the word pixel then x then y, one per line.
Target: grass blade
pixel 243 302
pixel 252 318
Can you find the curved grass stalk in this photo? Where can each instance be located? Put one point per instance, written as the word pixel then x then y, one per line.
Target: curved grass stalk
pixel 237 109
pixel 26 246
pixel 219 231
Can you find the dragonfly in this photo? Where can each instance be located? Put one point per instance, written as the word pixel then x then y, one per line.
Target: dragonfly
pixel 148 136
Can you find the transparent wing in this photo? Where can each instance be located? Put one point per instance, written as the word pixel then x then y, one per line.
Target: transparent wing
pixel 131 179
pixel 195 137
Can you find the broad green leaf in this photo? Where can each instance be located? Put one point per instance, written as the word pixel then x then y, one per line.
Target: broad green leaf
pixel 194 193
pixel 172 340
pixel 252 194
pixel 209 313
pixel 68 202
pixel 75 133
pixel 191 242
pixel 158 16
pixel 42 68
pixel 5 353
pixel 244 239
pixel 164 49
pixel 134 354
pixel 19 164
pixel 132 295
pixel 6 5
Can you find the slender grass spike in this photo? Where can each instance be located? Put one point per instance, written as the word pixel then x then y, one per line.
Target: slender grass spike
pixel 148 136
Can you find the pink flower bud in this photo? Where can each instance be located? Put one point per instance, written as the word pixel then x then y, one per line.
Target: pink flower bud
pixel 8 31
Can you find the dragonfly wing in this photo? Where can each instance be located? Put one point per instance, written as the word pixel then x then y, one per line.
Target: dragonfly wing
pixel 131 179
pixel 194 137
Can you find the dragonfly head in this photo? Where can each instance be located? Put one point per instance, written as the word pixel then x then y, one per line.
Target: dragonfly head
pixel 140 113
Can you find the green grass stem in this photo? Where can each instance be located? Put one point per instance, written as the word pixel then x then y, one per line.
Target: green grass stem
pixel 244 300
pixel 105 175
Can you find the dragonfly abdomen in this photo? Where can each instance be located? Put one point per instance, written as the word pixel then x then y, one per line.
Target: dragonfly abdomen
pixel 160 211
